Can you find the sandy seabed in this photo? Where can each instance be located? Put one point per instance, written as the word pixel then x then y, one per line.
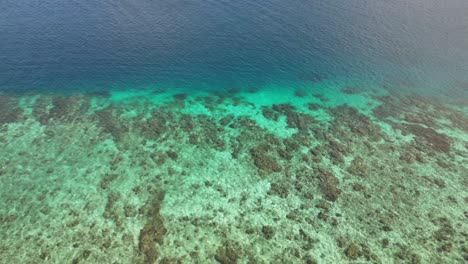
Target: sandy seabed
pixel 341 175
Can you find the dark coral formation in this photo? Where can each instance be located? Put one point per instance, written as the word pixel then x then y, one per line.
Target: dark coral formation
pixel 112 209
pixel 107 179
pixel 294 119
pixel 9 110
pixel 61 109
pixel 358 124
pixel 269 113
pixel 422 116
pixel 180 96
pixel 329 185
pixel 279 189
pixel 68 108
pixel 109 121
pixel 206 133
pixel 353 251
pixel 429 138
pixel 229 253
pixel 263 159
pixel 358 167
pixel 268 232
pixel 155 126
pixel 154 230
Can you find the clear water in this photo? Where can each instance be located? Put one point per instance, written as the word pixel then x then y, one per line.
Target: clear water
pixel 272 131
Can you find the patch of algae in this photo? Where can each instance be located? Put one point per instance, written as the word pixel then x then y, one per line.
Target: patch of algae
pixel 339 175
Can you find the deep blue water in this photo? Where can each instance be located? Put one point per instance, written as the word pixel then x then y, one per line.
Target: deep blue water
pixel 57 45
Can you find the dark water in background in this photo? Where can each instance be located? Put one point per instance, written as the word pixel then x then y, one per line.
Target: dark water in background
pixel 58 45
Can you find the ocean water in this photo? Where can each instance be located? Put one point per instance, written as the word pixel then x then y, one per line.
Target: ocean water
pixel 192 131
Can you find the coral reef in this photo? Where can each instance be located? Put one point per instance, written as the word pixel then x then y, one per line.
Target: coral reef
pixel 231 177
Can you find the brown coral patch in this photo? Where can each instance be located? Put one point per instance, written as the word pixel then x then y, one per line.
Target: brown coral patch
pixel 420 119
pixel 329 186
pixel 313 106
pixel 359 124
pixel 430 138
pixel 154 230
pixel 146 244
pixel 229 253
pixel 263 160
pixel 458 120
pixel 111 210
pixel 294 119
pixel 206 132
pixel 60 108
pixel 388 108
pixel 420 110
pixel 186 123
pixel 154 127
pixel 268 232
pixel 68 108
pixel 358 167
pixel 269 113
pixel 279 189
pixel 108 179
pixel 352 251
pixel 110 123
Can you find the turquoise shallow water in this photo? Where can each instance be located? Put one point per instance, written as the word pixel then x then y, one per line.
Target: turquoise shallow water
pixel 330 173
pixel 233 132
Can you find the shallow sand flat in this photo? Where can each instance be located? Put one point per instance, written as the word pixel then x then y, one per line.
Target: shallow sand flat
pixel 335 176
